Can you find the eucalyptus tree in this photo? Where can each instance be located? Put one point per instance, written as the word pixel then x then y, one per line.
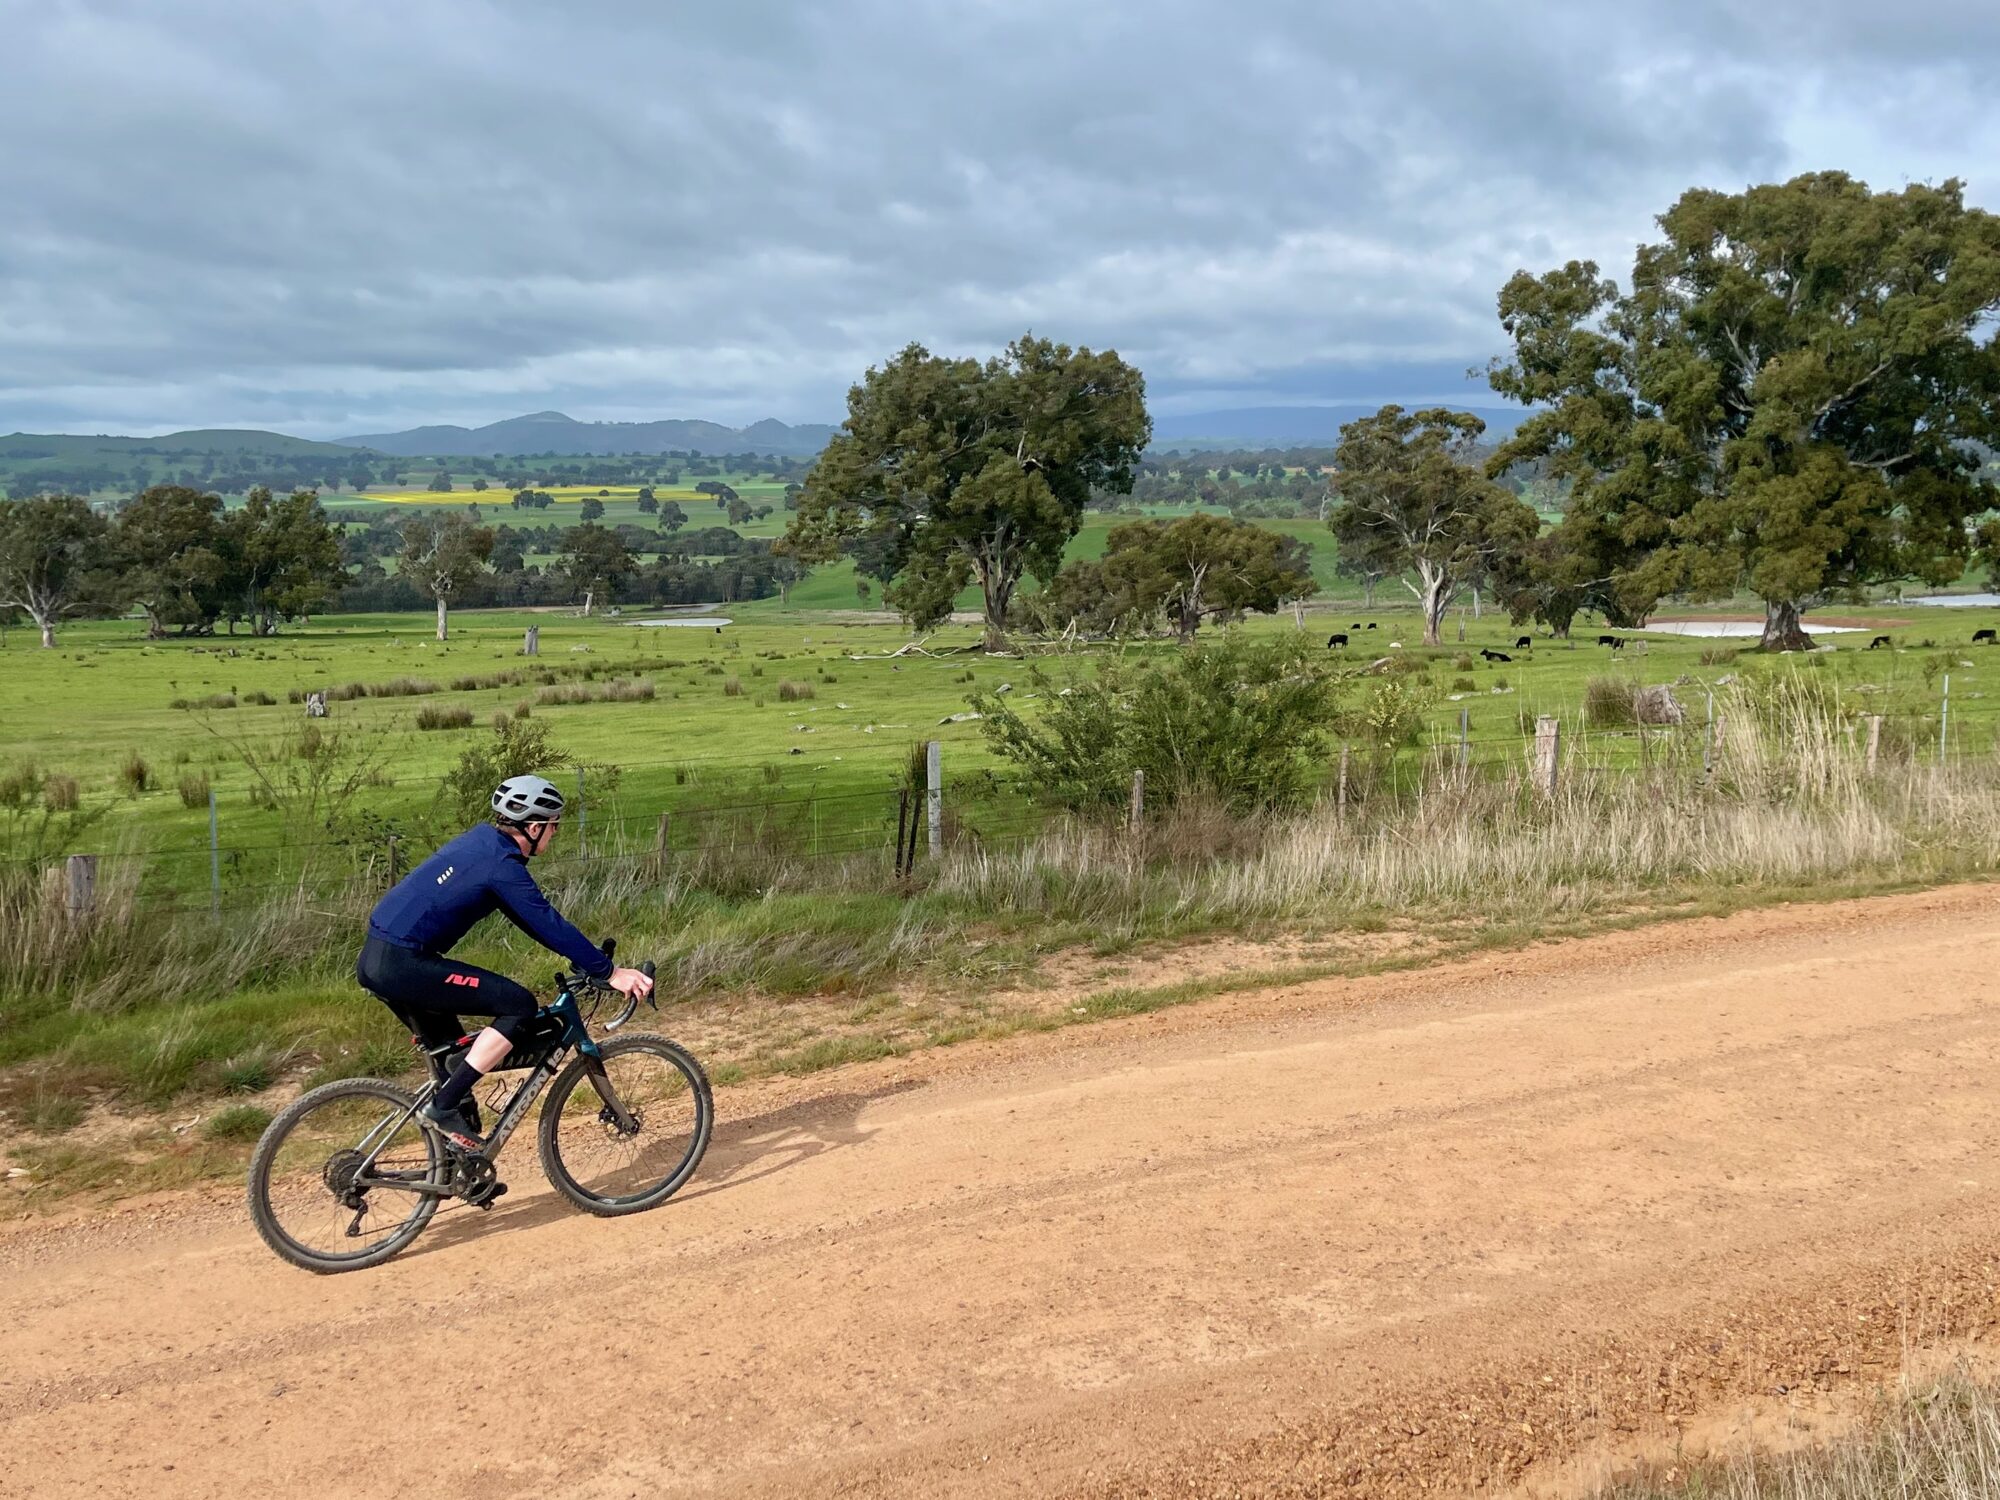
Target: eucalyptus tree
pixel 1787 400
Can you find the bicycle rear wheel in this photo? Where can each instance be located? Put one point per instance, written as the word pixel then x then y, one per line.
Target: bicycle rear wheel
pixel 608 1166
pixel 336 1180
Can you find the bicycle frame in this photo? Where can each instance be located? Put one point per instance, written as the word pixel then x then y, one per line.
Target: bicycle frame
pixel 540 1074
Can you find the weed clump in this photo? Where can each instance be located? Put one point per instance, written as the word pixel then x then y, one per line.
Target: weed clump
pixel 135 775
pixel 431 716
pixel 792 692
pixel 1610 703
pixel 194 789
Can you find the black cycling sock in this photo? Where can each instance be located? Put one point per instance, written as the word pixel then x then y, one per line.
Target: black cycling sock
pixel 455 1088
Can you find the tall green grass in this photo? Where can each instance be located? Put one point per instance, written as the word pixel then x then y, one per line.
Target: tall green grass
pixel 153 1002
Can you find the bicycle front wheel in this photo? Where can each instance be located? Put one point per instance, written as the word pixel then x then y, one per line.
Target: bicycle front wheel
pixel 337 1180
pixel 620 1136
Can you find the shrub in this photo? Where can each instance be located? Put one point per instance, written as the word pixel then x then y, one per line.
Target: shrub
pixel 1244 723
pixel 262 700
pixel 1391 717
pixel 518 747
pixel 401 687
pixel 135 775
pixel 1718 656
pixel 432 716
pixel 249 1072
pixel 1608 702
pixel 1462 662
pixel 213 700
pixel 238 1122
pixel 792 692
pixel 732 687
pixel 1464 685
pixel 61 794
pixel 194 789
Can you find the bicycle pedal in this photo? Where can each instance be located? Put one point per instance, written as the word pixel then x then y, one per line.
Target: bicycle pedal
pixel 487 1200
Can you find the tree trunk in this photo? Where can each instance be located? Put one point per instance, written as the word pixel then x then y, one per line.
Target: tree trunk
pixel 441 618
pixel 996 591
pixel 48 633
pixel 588 595
pixel 1435 598
pixel 1782 630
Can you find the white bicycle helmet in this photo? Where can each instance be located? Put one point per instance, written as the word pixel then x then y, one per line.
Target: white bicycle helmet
pixel 527 799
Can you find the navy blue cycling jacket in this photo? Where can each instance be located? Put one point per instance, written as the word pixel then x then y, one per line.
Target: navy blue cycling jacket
pixel 478 873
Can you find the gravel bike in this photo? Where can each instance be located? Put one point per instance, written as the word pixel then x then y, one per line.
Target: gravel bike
pixel 348 1174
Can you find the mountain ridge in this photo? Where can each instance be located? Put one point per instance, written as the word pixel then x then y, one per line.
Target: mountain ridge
pixel 557 432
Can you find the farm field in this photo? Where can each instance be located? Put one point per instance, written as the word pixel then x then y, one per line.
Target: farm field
pixel 789 706
pixel 1519 1219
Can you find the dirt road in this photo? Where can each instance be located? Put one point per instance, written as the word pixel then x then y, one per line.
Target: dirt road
pixel 1422 1232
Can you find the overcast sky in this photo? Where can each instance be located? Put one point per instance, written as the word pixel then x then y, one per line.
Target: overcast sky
pixel 328 218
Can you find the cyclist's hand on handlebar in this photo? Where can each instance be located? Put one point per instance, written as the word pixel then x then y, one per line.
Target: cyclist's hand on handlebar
pixel 631 983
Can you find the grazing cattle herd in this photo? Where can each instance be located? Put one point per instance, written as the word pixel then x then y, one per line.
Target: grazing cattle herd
pixel 1617 643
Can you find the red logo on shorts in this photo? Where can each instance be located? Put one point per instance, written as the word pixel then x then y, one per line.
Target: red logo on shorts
pixel 470 981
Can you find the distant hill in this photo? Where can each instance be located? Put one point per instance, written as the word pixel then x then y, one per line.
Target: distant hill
pixel 553 432
pixel 1292 426
pixel 22 446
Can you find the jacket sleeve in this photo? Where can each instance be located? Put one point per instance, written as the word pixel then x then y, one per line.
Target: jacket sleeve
pixel 528 909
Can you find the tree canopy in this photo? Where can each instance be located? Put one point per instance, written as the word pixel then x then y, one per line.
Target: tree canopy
pixel 960 470
pixel 1411 502
pixel 50 547
pixel 440 553
pixel 1786 400
pixel 1189 569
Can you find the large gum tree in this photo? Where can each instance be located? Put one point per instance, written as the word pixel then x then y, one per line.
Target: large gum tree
pixel 956 470
pixel 1787 400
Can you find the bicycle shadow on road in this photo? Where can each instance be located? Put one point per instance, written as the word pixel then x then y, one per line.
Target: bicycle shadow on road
pixel 739 1152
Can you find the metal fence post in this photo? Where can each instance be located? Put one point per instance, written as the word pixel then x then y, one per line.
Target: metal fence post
pixel 1464 737
pixel 214 860
pixel 934 795
pixel 1340 797
pixel 1874 740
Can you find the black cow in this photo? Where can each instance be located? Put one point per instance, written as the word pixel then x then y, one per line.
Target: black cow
pixel 1371 624
pixel 1982 635
pixel 1355 626
pixel 1615 642
pixel 1880 640
pixel 1337 639
pixel 1525 643
pixel 1495 655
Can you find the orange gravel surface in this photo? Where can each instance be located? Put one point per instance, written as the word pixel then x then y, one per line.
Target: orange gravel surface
pixel 1453 1231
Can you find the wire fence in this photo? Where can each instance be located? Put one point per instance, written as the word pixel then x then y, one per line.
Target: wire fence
pixel 653 831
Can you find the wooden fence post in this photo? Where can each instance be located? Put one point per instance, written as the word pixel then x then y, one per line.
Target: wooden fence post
pixel 660 840
pixel 1548 741
pixel 934 795
pixel 80 894
pixel 1874 740
pixel 531 641
pixel 1464 738
pixel 1138 800
pixel 1340 799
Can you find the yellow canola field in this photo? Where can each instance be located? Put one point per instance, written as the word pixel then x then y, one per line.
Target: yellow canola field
pixel 575 494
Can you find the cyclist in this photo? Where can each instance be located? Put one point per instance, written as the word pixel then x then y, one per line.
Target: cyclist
pixel 483 870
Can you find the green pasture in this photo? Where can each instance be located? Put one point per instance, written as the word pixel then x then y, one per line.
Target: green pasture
pixel 728 764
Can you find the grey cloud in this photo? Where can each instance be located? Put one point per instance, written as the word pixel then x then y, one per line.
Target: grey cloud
pixel 330 217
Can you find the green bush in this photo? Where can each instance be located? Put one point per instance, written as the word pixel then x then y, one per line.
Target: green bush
pixel 194 789
pixel 1241 723
pixel 431 716
pixel 135 775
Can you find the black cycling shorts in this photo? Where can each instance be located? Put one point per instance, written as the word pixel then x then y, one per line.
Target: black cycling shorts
pixel 431 991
